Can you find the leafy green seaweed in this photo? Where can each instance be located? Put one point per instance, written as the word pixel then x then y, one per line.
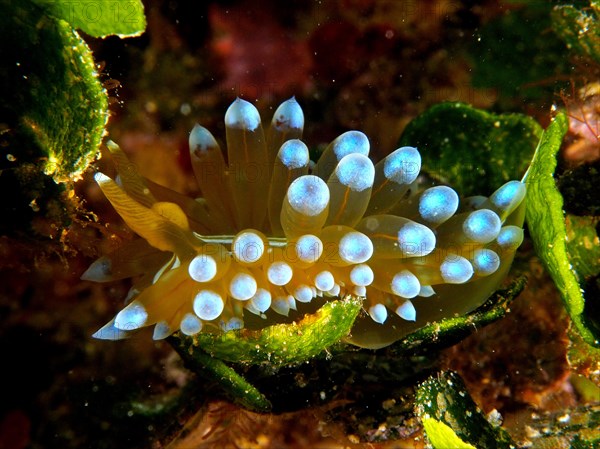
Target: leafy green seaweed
pixel 579 27
pixel 235 386
pixel 443 398
pixel 100 18
pixel 54 108
pixel 546 223
pixel 473 150
pixel 280 344
pixel 452 330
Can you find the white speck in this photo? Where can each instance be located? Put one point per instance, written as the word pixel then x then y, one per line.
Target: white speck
pixel 185 109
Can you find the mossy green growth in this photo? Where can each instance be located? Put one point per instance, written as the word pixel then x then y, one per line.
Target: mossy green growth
pixel 54 106
pixel 280 344
pixel 546 222
pixel 444 399
pixel 100 18
pixel 579 27
pixel 233 384
pixel 472 150
pixel 53 111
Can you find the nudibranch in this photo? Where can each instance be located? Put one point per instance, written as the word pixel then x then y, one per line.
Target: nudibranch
pixel 274 236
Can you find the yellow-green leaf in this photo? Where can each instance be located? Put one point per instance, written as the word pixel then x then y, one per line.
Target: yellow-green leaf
pixel 546 222
pixel 442 436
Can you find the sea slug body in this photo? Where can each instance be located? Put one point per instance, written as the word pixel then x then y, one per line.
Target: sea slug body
pixel 280 239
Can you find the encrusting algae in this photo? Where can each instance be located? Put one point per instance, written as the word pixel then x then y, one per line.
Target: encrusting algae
pixel 276 236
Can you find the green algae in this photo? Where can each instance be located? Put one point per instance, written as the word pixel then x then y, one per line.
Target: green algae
pixel 54 108
pixel 472 150
pixel 101 18
pixel 443 398
pixel 546 222
pixel 280 344
pixel 579 27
